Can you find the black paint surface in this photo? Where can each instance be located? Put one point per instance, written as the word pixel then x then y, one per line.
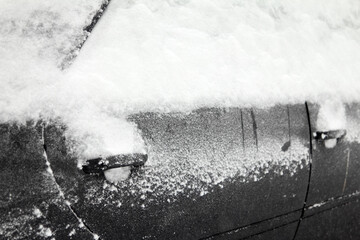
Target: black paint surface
pixel 268 208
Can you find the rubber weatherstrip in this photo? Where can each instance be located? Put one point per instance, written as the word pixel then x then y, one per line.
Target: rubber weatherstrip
pixel 339 205
pixel 311 215
pixel 252 224
pixel 310 168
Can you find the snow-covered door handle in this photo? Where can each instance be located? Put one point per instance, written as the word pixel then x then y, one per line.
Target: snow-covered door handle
pixel 330 138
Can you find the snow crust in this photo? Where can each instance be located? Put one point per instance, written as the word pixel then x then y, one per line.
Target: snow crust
pixel 175 55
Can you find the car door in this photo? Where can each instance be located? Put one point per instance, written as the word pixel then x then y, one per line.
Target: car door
pixel 212 173
pixel 333 204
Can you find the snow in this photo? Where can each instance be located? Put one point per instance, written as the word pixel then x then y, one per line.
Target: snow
pixel 195 160
pixel 316 205
pixel 37 212
pixel 331 115
pixel 43 29
pixel 330 143
pixel 115 175
pixel 172 56
pixel 44 231
pixel 73 232
pixel 153 56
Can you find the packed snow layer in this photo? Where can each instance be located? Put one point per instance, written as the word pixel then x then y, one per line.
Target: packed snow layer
pixel 171 56
pixel 43 29
pixel 331 116
pixel 35 37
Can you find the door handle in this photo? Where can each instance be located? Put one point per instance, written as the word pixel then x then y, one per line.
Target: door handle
pixel 329 138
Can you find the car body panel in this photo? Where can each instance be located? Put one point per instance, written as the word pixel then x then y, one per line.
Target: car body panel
pixel 335 170
pixel 30 204
pixel 340 221
pixel 224 136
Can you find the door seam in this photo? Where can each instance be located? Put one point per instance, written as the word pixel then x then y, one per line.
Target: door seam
pixel 310 169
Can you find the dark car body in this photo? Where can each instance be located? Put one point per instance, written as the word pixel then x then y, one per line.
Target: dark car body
pixel 293 187
pixel 213 173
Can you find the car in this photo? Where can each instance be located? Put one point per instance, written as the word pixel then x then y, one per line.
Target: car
pixel 234 172
pixel 263 190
